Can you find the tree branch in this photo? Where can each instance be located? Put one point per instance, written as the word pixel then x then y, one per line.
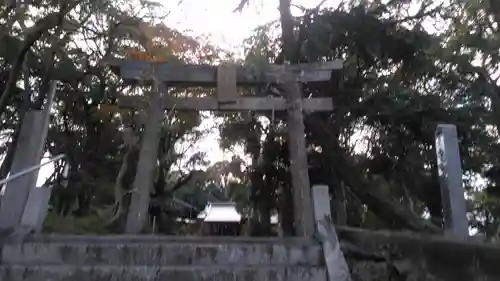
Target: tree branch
pixel 380 205
pixel 34 34
pixel 182 182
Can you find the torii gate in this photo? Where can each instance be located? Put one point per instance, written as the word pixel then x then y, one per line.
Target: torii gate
pixel 226 78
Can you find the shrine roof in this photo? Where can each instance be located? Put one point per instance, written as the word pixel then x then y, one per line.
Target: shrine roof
pixel 224 212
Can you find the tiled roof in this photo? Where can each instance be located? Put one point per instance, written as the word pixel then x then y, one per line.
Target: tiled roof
pixel 224 212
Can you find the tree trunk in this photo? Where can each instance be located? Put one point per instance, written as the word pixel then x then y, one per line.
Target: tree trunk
pixel 288 38
pixel 118 189
pixel 339 205
pixel 256 185
pixel 286 211
pixel 265 209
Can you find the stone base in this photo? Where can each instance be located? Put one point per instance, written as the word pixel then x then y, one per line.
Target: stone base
pixel 150 250
pixel 148 258
pixel 372 256
pixel 160 273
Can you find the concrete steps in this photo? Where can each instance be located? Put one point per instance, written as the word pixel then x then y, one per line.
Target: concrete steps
pixel 148 258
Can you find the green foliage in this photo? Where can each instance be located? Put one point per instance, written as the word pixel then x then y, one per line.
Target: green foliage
pixel 399 81
pixel 87 124
pixel 92 224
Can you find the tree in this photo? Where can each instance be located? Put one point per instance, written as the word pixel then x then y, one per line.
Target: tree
pixel 473 54
pixel 399 82
pixel 88 126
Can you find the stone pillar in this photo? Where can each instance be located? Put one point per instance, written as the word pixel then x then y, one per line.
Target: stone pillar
pixel 146 167
pixel 17 190
pixel 299 168
pixel 28 153
pixel 37 204
pixel 450 177
pixel 36 208
pixel 336 264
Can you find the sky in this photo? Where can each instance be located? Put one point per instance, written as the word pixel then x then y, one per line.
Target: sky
pixel 215 20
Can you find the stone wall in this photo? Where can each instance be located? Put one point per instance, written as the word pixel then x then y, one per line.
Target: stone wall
pixel 372 256
pixel 153 258
pixel 377 256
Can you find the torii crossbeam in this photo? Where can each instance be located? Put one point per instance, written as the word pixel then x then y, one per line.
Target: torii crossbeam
pixel 203 75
